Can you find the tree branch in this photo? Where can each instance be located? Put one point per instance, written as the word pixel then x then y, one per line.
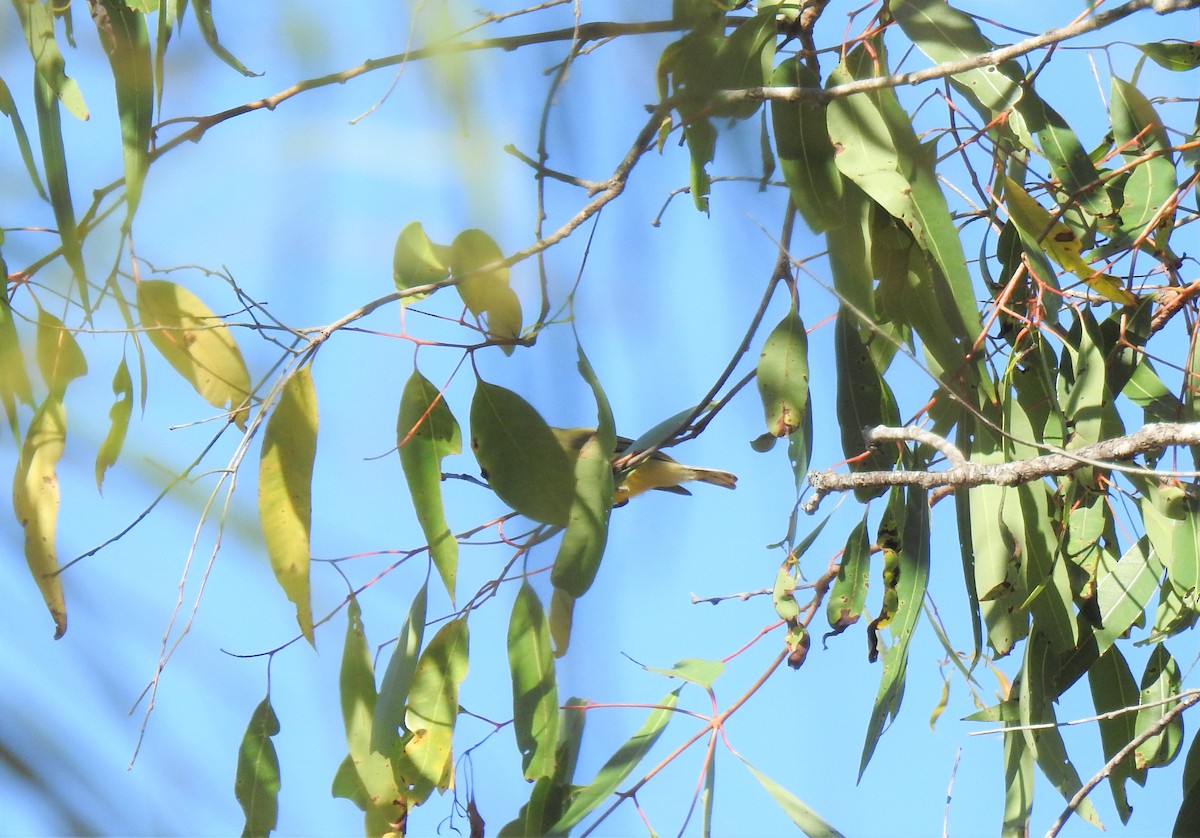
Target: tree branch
pixel 965 474
pixel 993 58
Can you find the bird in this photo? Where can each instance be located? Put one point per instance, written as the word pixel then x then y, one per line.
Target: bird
pixel 658 471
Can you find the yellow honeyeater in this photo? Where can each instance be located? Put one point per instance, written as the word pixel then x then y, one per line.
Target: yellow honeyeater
pixel 657 472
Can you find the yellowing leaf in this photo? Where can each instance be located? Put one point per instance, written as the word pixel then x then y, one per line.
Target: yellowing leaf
pixel 485 292
pixel 118 416
pixel 35 502
pixel 428 760
pixel 417 260
pixel 285 490
pixel 59 357
pixel 196 342
pixel 1038 225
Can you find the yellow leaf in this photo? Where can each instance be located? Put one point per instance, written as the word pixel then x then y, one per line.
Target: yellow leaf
pixel 35 502
pixel 1060 243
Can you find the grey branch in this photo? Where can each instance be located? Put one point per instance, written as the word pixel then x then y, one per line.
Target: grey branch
pixel 964 474
pixel 994 58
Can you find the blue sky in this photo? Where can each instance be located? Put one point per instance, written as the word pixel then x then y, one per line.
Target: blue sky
pixel 302 208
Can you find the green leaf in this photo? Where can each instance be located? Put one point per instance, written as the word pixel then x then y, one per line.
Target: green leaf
pixel 365 777
pixel 701 138
pixel 1124 589
pixel 1137 130
pixel 1183 565
pixel 418 261
pixel 433 710
pixel 427 433
pixel 520 457
pixel 1178 56
pixel 285 491
pixel 118 418
pixel 35 498
pixel 1160 682
pixel 8 107
pixel 1188 819
pixel 535 691
pixel 196 342
pixel 848 594
pixel 1146 389
pixel 693 670
pixel 808 821
pixel 59 357
pixel 204 19
pixel 805 152
pixel 618 766
pixel 910 592
pixel 37 20
pixel 123 35
pixel 257 781
pixel 745 59
pixel 14 381
pixel 1113 689
pixel 486 292
pixel 864 401
pixel 1068 159
pixel 562 614
pixel 58 181
pixel 388 716
pixel 1018 786
pixel 782 376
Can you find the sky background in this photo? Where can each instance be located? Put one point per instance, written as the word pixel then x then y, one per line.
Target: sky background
pixel 301 207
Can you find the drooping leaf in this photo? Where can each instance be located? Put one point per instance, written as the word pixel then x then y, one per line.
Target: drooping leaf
pixel 418 261
pixel 388 716
pixel 619 765
pixel 520 457
pixel 426 433
pixel 123 35
pixel 35 500
pixel 486 291
pixel 208 28
pixel 1187 822
pixel 1114 689
pixel 59 357
pixel 58 181
pixel 782 376
pixel 428 761
pixel 14 380
pixel 8 107
pixel 1018 786
pixel 535 690
pixel 744 59
pixel 365 776
pixel 197 343
pixel 864 401
pixel 805 152
pixel 37 20
pixel 1160 682
pixel 1068 159
pixel 808 821
pixel 701 138
pixel 285 491
pixel 257 781
pixel 848 594
pixel 1138 131
pixel 118 423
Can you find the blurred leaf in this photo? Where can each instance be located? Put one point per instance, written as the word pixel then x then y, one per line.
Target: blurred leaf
pixel 619 765
pixel 197 343
pixel 783 592
pixel 693 670
pixel 745 59
pixel 257 782
pixel 1179 56
pixel 520 457
pixel 864 401
pixel 285 491
pixel 418 261
pixel 118 418
pixel 388 716
pixel 123 35
pixel 486 292
pixel 433 710
pixel 535 690
pixel 1113 689
pixel 1160 682
pixel 427 433
pixel 37 20
pixel 805 152
pixel 782 376
pixel 808 821
pixel 59 357
pixel 1018 786
pixel 204 19
pixel 562 613
pixel 14 381
pixel 35 501
pixel 701 139
pixel 8 107
pixel 58 182
pixel 365 777
pixel 1187 822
